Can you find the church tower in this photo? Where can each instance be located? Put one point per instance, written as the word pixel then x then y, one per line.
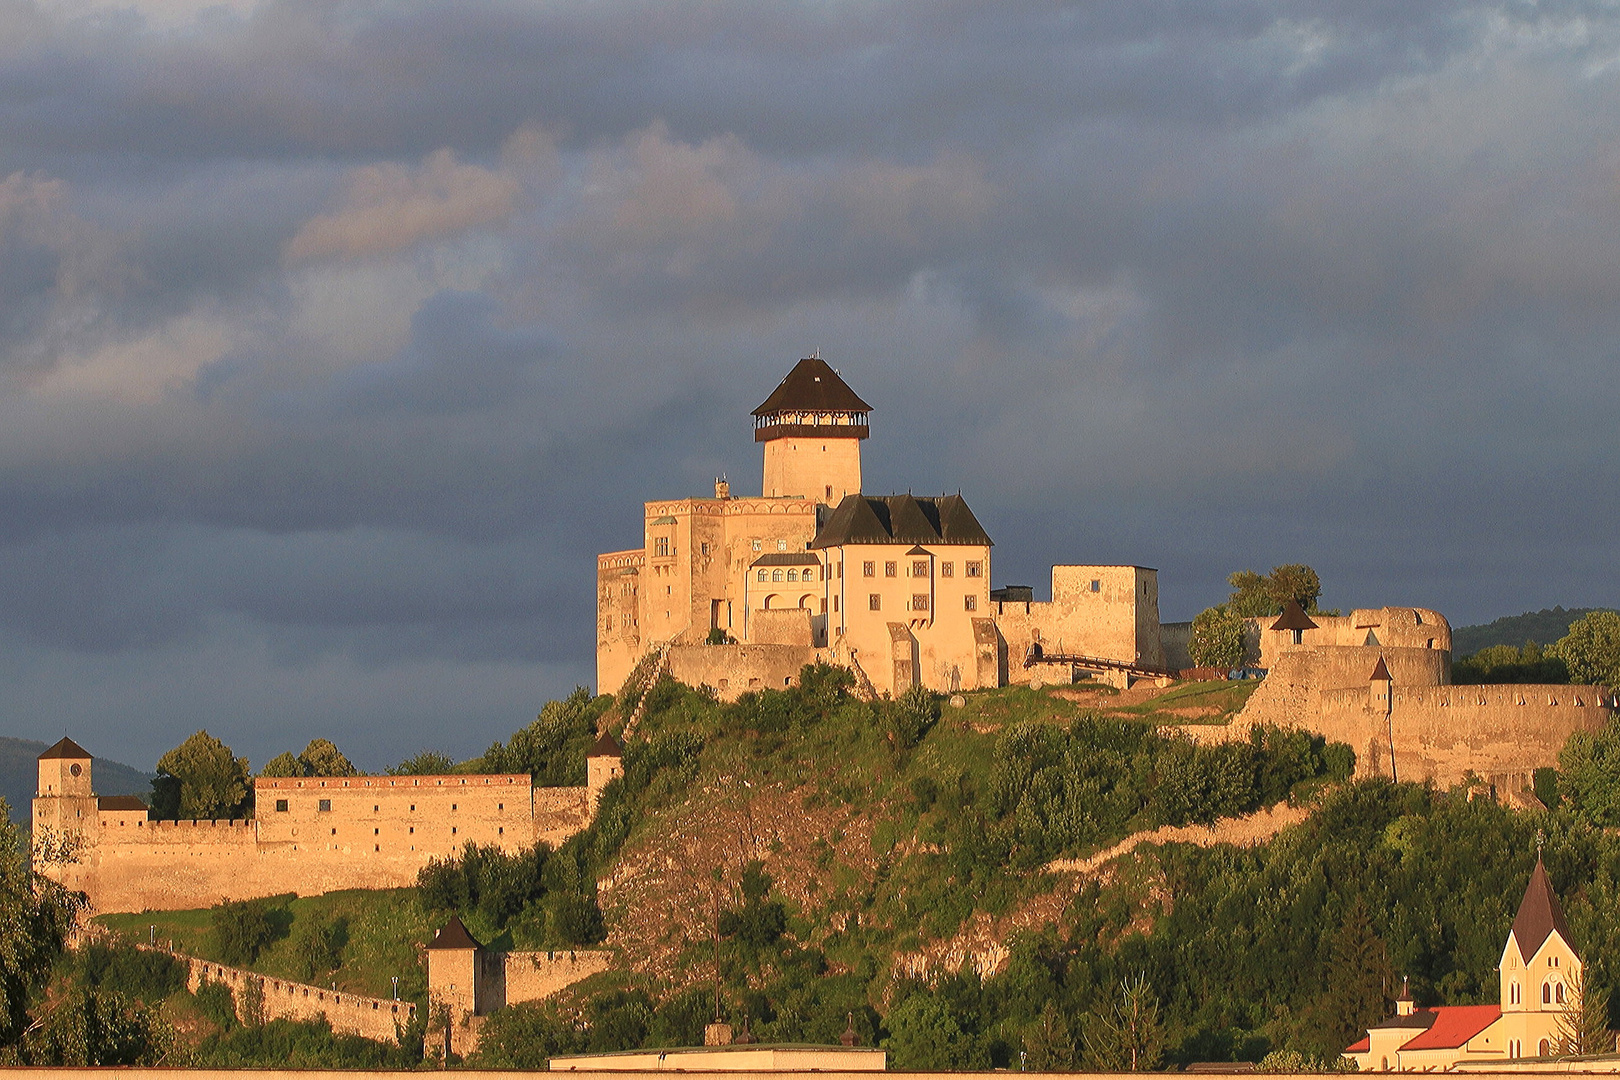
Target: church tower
pixel 812 426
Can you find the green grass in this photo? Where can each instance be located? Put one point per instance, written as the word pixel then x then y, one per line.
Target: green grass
pixel 1016 704
pixel 385 928
pixel 1229 697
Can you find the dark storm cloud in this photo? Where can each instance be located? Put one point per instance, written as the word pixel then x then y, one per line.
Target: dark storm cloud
pixel 335 339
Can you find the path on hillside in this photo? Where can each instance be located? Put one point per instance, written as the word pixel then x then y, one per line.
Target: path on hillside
pixel 982 941
pixel 1245 831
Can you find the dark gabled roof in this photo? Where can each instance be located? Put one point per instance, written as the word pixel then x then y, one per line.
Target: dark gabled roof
pixel 787 558
pixel 606 746
pixel 901 519
pixel 119 802
pixel 812 386
pixel 1539 915
pixel 66 748
pixel 454 936
pixel 1293 617
pixel 1380 672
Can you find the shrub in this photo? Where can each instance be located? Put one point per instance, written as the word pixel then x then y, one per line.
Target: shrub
pixel 242 929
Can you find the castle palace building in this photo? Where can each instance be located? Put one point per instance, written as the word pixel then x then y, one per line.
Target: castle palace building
pixel 739 592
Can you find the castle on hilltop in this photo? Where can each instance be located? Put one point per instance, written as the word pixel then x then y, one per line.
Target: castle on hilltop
pixel 740 592
pixel 308 835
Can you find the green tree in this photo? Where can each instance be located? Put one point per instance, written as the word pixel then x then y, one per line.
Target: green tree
pixel 1259 595
pixel 1359 979
pixel 1129 1035
pixel 322 758
pixel 318 945
pixel 426 763
pixel 1048 1042
pixel 1591 649
pixel 35 917
pixel 1589 774
pixel 91 1028
pixel 924 1036
pixel 283 764
pixel 1583 1027
pixel 1217 638
pixel 200 779
pixel 242 928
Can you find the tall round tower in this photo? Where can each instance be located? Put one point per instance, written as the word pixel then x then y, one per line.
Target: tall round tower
pixel 812 426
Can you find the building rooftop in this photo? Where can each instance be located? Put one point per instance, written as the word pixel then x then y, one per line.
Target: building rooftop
pixel 812 386
pixel 454 936
pixel 66 748
pixel 119 802
pixel 606 746
pixel 1453 1026
pixel 1293 617
pixel 1539 915
pixel 1380 672
pixel 901 519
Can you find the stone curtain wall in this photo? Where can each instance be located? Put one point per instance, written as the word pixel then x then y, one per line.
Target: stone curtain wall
pixel 377 833
pixel 531 976
pixel 349 1014
pixel 731 670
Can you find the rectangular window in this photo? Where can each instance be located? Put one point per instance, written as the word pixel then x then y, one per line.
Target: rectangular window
pixel 1096 586
pixel 781 545
pixel 756 545
pixel 705 549
pixel 919 601
pixel 891 569
pixel 970 603
pixel 919 568
pixel 281 806
pixel 947 569
pixel 974 569
pixel 835 602
pixel 762 575
pixel 874 602
pixel 868 569
pixel 324 805
pixel 661 547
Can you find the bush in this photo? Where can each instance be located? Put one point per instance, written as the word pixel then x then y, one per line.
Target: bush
pixel 1217 638
pixel 242 929
pixel 137 974
pixel 217 1003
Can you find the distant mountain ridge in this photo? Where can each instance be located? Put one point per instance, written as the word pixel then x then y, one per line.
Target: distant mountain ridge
pixel 19 773
pixel 1542 627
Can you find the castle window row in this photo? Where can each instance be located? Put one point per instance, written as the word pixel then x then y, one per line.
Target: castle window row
pixel 792 575
pixel 401 781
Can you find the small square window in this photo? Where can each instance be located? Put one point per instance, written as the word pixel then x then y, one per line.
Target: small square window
pixel 324 805
pixel 947 569
pixel 781 545
pixel 919 568
pixel 281 806
pixel 891 569
pixel 974 569
pixel 919 601
pixel 756 545
pixel 970 602
pixel 452 806
pixel 874 602
pixel 868 569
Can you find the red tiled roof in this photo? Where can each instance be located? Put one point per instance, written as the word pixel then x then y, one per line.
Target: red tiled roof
pixel 1454 1025
pixel 1360 1046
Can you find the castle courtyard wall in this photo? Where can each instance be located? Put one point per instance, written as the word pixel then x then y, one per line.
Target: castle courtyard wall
pixel 731 670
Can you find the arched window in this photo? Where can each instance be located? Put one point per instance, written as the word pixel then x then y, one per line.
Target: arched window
pixel 793 575
pixel 1546 993
pixel 1513 994
pixel 1383 1063
pixel 762 575
pixel 809 575
pixel 776 575
pixel 1558 993
pixel 1544 1049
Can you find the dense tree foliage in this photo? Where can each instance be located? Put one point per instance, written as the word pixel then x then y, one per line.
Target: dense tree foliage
pixel 1589 774
pixel 1259 595
pixel 320 758
pixel 242 928
pixel 1591 649
pixel 1218 638
pixel 425 763
pixel 552 748
pixel 35 917
pixel 1507 664
pixel 201 779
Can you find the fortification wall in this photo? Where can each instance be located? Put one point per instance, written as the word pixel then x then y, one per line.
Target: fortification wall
pixel 531 976
pixel 398 815
pixel 1297 673
pixel 349 1014
pixel 1104 611
pixel 730 670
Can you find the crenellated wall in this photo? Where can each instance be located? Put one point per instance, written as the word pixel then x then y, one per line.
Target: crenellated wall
pixel 349 1014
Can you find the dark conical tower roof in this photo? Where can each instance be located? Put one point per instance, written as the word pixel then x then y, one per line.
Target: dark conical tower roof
pixel 1539 915
pixel 1293 617
pixel 1380 672
pixel 606 746
pixel 812 386
pixel 65 748
pixel 454 936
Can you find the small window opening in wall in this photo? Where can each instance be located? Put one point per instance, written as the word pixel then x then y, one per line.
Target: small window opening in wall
pixel 874 602
pixel 452 806
pixel 1096 586
pixel 376 832
pixel 334 832
pixel 413 830
pixel 891 569
pixel 376 847
pixel 781 545
pixel 374 809
pixel 500 806
pixel 413 808
pixel 500 831
pixel 868 569
pixel 756 544
pixel 452 830
pixel 829 488
pixel 324 805
pixel 281 806
pixel 970 603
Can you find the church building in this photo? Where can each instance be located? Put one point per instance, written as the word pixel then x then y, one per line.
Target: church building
pixel 740 591
pixel 1539 973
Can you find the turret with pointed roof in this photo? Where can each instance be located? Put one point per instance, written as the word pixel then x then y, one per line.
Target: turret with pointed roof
pixel 1540 916
pixel 811 425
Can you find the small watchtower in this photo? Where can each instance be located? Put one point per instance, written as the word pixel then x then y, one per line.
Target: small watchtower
pixel 604 762
pixel 1381 689
pixel 812 426
pixel 65 801
pixel 459 980
pixel 1294 622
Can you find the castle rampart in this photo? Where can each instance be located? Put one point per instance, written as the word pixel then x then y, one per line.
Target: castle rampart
pixel 309 835
pixel 279 999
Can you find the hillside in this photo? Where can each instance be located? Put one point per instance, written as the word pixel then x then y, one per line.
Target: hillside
pixel 1542 627
pixel 19 774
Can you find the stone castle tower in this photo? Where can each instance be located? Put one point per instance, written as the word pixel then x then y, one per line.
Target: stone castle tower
pixel 812 426
pixel 65 803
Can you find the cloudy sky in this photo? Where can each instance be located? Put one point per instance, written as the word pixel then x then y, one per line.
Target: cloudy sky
pixel 337 337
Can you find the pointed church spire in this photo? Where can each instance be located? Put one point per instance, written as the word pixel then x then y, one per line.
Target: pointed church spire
pixel 1539 915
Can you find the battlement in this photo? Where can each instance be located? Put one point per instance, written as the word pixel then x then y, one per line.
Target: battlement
pixel 280 999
